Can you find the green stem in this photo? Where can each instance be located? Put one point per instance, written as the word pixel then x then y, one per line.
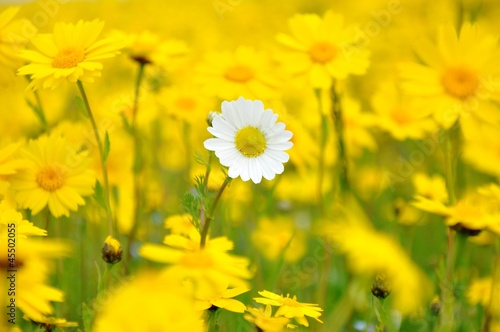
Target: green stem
pixel 322 149
pixel 338 121
pixel 210 214
pixel 137 93
pixel 38 109
pixel 186 133
pixel 104 282
pixel 447 319
pixel 41 113
pixel 100 147
pixel 137 161
pixel 492 313
pixel 381 314
pixel 208 170
pixel 449 167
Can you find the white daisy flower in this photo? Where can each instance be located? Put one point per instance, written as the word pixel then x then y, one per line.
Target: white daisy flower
pixel 249 141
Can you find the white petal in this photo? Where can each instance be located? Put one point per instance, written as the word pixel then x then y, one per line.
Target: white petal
pixel 221 125
pixel 280 156
pixel 276 166
pixel 222 135
pixel 268 119
pixel 244 174
pixel 282 137
pixel 275 130
pixel 255 170
pixel 280 146
pixel 256 109
pixel 214 144
pixel 227 157
pixel 266 170
pixel 228 114
pixel 233 171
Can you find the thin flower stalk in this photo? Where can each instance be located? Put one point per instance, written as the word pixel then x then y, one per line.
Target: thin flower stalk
pixel 100 148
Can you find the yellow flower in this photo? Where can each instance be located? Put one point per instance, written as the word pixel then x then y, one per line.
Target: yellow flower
pixel 433 188
pixel 356 124
pixel 262 318
pixel 405 213
pixel 23 227
pixel 29 266
pixel 147 48
pixel 180 104
pixel 12 38
pixel 181 224
pixel 55 176
pixel 204 266
pixel 322 48
pixel 300 187
pixel 71 53
pixel 370 253
pixel 401 118
pixel 9 164
pixel 455 78
pixel 290 307
pixel 479 291
pixel 245 72
pixel 473 213
pixel 165 307
pixel 51 323
pixel 482 149
pixel 279 236
pixel 221 297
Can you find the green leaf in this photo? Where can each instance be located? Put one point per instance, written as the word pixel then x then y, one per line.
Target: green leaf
pixel 199 159
pixel 99 194
pixel 38 112
pixel 80 104
pixel 107 146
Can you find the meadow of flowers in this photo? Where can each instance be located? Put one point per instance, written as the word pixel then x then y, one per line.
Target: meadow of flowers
pixel 250 165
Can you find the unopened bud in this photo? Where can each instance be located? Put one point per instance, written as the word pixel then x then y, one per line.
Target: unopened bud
pixel 381 288
pixel 435 306
pixel 112 250
pixel 211 116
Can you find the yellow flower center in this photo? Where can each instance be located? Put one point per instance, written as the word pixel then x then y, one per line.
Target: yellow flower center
pixel 50 178
pixel 239 73
pixel 68 58
pixel 197 260
pixel 460 82
pixel 400 116
pixel 322 52
pixel 467 212
pixel 185 103
pixel 290 302
pixel 250 141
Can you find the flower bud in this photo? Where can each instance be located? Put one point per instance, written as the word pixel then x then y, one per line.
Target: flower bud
pixel 112 250
pixel 435 306
pixel 381 288
pixel 211 116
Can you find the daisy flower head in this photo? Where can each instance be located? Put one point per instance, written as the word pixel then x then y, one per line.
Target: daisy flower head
pixel 324 48
pixel 290 308
pixel 262 318
pixel 455 78
pixel 245 71
pixel 72 52
pixel 249 141
pixel 55 176
pixel 11 40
